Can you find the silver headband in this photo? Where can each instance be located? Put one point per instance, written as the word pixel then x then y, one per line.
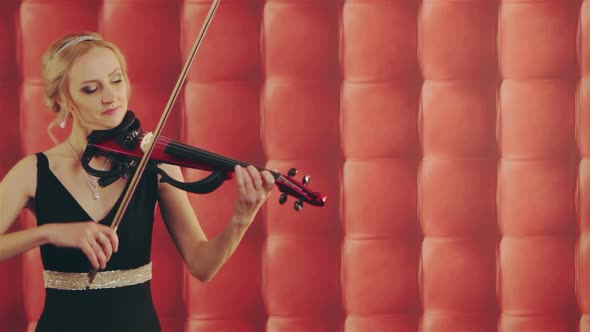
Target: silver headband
pixel 74 42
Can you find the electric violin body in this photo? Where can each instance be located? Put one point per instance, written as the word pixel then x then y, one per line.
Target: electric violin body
pixel 125 144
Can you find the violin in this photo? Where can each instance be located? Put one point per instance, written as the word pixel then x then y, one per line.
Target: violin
pixel 133 151
pixel 125 144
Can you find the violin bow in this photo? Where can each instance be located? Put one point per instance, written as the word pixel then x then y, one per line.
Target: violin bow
pixel 157 132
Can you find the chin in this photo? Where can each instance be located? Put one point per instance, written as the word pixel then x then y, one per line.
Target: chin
pixel 113 120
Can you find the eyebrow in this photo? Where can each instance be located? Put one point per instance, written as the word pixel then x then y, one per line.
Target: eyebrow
pixel 95 80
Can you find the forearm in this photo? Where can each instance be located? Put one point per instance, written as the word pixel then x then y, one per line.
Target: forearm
pixel 204 257
pixel 212 254
pixel 15 243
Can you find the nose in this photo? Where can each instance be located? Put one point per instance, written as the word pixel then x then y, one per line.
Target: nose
pixel 108 94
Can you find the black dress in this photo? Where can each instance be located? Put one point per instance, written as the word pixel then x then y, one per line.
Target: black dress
pixel 127 308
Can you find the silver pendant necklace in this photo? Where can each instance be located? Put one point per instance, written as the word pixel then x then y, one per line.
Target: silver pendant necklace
pixel 93 185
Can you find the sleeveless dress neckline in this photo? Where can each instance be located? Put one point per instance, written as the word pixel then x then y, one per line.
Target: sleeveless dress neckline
pixel 128 308
pixel 111 211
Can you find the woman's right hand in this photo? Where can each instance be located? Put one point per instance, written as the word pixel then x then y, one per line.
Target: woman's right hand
pixel 97 241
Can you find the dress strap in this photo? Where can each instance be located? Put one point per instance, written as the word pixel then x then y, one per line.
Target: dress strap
pixel 42 170
pixel 42 162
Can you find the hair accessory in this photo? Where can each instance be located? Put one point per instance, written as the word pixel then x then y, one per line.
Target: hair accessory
pixel 74 42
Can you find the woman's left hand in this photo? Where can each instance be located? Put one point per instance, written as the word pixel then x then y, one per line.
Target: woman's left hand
pixel 254 188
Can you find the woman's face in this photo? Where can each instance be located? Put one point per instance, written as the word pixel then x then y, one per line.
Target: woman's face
pixel 98 89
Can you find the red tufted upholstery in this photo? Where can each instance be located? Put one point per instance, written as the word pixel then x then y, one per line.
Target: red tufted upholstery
pixel 451 137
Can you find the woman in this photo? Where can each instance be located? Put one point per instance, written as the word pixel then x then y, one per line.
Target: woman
pixel 86 84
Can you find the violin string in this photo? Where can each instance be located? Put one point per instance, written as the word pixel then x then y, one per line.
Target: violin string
pixel 211 156
pixel 165 143
pixel 171 145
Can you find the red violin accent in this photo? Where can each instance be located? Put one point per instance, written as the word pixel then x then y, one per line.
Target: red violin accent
pixel 122 145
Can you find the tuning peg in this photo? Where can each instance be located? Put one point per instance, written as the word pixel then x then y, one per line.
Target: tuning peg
pixel 283 198
pixel 298 205
pixel 292 172
pixel 306 180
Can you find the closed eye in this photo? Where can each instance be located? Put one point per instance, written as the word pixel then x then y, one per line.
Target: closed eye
pixel 88 90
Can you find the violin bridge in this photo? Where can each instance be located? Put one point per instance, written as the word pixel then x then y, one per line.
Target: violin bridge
pixel 145 141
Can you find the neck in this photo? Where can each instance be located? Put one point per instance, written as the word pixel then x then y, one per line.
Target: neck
pixel 78 136
pixel 77 142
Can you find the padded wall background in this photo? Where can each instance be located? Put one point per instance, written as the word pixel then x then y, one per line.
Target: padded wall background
pixel 452 139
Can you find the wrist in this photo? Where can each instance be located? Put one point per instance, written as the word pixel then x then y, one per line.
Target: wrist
pixel 240 221
pixel 43 235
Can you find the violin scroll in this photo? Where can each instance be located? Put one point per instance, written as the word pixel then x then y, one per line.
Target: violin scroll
pixel 290 187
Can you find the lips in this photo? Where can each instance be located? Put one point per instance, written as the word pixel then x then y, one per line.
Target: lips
pixel 111 111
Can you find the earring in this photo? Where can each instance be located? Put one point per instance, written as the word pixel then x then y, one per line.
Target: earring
pixel 64 121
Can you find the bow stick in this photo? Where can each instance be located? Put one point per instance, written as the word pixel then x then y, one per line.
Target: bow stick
pixel 156 134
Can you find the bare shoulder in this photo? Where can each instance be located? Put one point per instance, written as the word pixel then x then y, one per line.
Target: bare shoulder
pixel 16 190
pixel 59 156
pixel 22 178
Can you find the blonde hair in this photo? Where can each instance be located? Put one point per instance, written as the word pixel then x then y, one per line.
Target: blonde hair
pixel 57 63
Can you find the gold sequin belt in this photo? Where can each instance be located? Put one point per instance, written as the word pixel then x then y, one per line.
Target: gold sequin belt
pixel 106 279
